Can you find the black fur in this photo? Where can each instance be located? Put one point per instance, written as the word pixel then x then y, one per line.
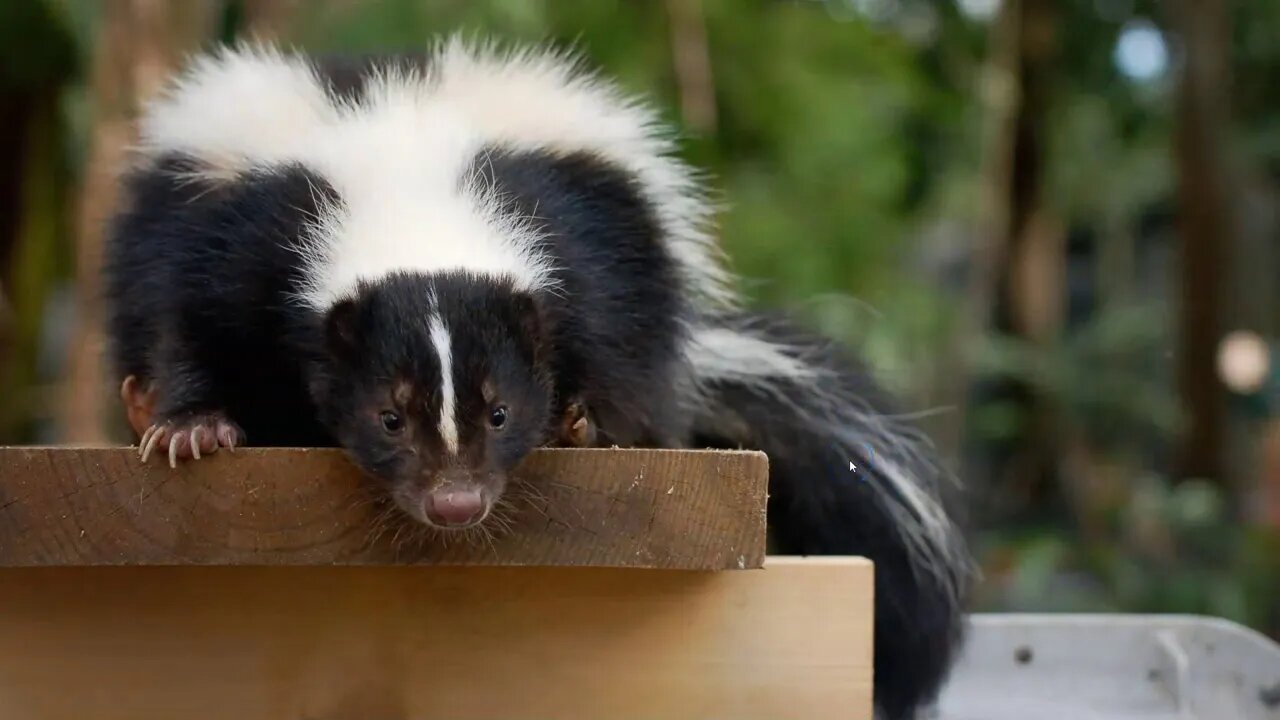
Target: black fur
pixel 200 282
pixel 616 324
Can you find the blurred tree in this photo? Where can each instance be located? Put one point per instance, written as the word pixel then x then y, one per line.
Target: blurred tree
pixel 264 19
pixel 1019 289
pixel 692 61
pixel 1206 224
pixel 37 57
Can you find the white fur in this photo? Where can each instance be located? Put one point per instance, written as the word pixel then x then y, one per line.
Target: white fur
pixel 237 108
pixel 720 353
pixel 448 400
pixel 397 162
pixel 396 158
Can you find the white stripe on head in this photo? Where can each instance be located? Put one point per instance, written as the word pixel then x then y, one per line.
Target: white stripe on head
pixel 448 401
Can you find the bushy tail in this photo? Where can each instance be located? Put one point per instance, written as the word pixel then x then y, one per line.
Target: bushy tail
pixel 764 385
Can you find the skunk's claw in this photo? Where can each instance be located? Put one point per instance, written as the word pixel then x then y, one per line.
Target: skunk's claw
pixel 190 437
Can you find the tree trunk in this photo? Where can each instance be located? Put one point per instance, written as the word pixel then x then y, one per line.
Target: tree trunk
pixel 1018 282
pixel 1205 227
pixel 269 19
pixel 692 61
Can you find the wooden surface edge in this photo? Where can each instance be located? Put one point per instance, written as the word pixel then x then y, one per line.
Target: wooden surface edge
pixel 673 509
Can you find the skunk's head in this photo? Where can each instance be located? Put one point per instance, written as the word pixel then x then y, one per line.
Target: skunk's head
pixel 438 385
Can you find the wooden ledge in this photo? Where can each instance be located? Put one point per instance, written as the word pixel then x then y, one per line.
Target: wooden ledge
pixel 696 510
pixel 787 642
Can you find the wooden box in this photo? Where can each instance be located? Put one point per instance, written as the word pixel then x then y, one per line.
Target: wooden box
pixel 273 584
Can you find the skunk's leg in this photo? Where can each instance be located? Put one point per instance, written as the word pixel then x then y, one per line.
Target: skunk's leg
pixel 186 422
pixel 139 400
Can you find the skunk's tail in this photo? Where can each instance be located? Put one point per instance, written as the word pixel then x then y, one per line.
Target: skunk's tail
pixel 764 385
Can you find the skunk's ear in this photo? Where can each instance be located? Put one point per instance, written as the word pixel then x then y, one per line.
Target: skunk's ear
pixel 341 328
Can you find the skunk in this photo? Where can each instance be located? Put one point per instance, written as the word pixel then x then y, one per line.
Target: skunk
pixel 438 262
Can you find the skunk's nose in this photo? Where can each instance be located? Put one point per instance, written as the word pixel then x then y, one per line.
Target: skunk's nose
pixel 455 507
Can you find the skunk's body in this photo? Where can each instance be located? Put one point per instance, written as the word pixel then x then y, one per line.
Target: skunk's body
pixel 426 260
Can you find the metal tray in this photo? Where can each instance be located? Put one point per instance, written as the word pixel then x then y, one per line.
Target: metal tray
pixel 1112 667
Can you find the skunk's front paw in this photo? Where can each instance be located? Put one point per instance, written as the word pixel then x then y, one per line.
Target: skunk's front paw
pixel 576 428
pixel 190 436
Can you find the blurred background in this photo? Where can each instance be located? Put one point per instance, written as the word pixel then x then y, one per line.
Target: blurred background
pixel 1052 226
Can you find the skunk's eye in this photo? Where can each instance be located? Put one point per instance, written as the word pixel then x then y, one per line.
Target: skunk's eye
pixel 498 417
pixel 391 422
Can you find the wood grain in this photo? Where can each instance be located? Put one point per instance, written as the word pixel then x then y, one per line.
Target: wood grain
pixel 699 510
pixel 462 643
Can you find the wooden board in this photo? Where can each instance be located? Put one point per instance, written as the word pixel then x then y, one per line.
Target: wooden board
pixel 458 643
pixel 698 510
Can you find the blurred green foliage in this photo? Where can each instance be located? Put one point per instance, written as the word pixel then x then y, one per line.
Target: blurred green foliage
pixel 1162 548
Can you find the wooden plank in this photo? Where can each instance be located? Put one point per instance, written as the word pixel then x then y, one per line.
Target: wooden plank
pixel 462 643
pixel 700 510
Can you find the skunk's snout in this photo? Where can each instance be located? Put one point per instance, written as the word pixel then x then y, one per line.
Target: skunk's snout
pixel 456 505
pixel 455 499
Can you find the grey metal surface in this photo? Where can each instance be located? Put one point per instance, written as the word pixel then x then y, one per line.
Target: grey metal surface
pixel 1113 667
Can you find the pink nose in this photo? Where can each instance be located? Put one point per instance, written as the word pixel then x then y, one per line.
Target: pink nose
pixel 453 507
